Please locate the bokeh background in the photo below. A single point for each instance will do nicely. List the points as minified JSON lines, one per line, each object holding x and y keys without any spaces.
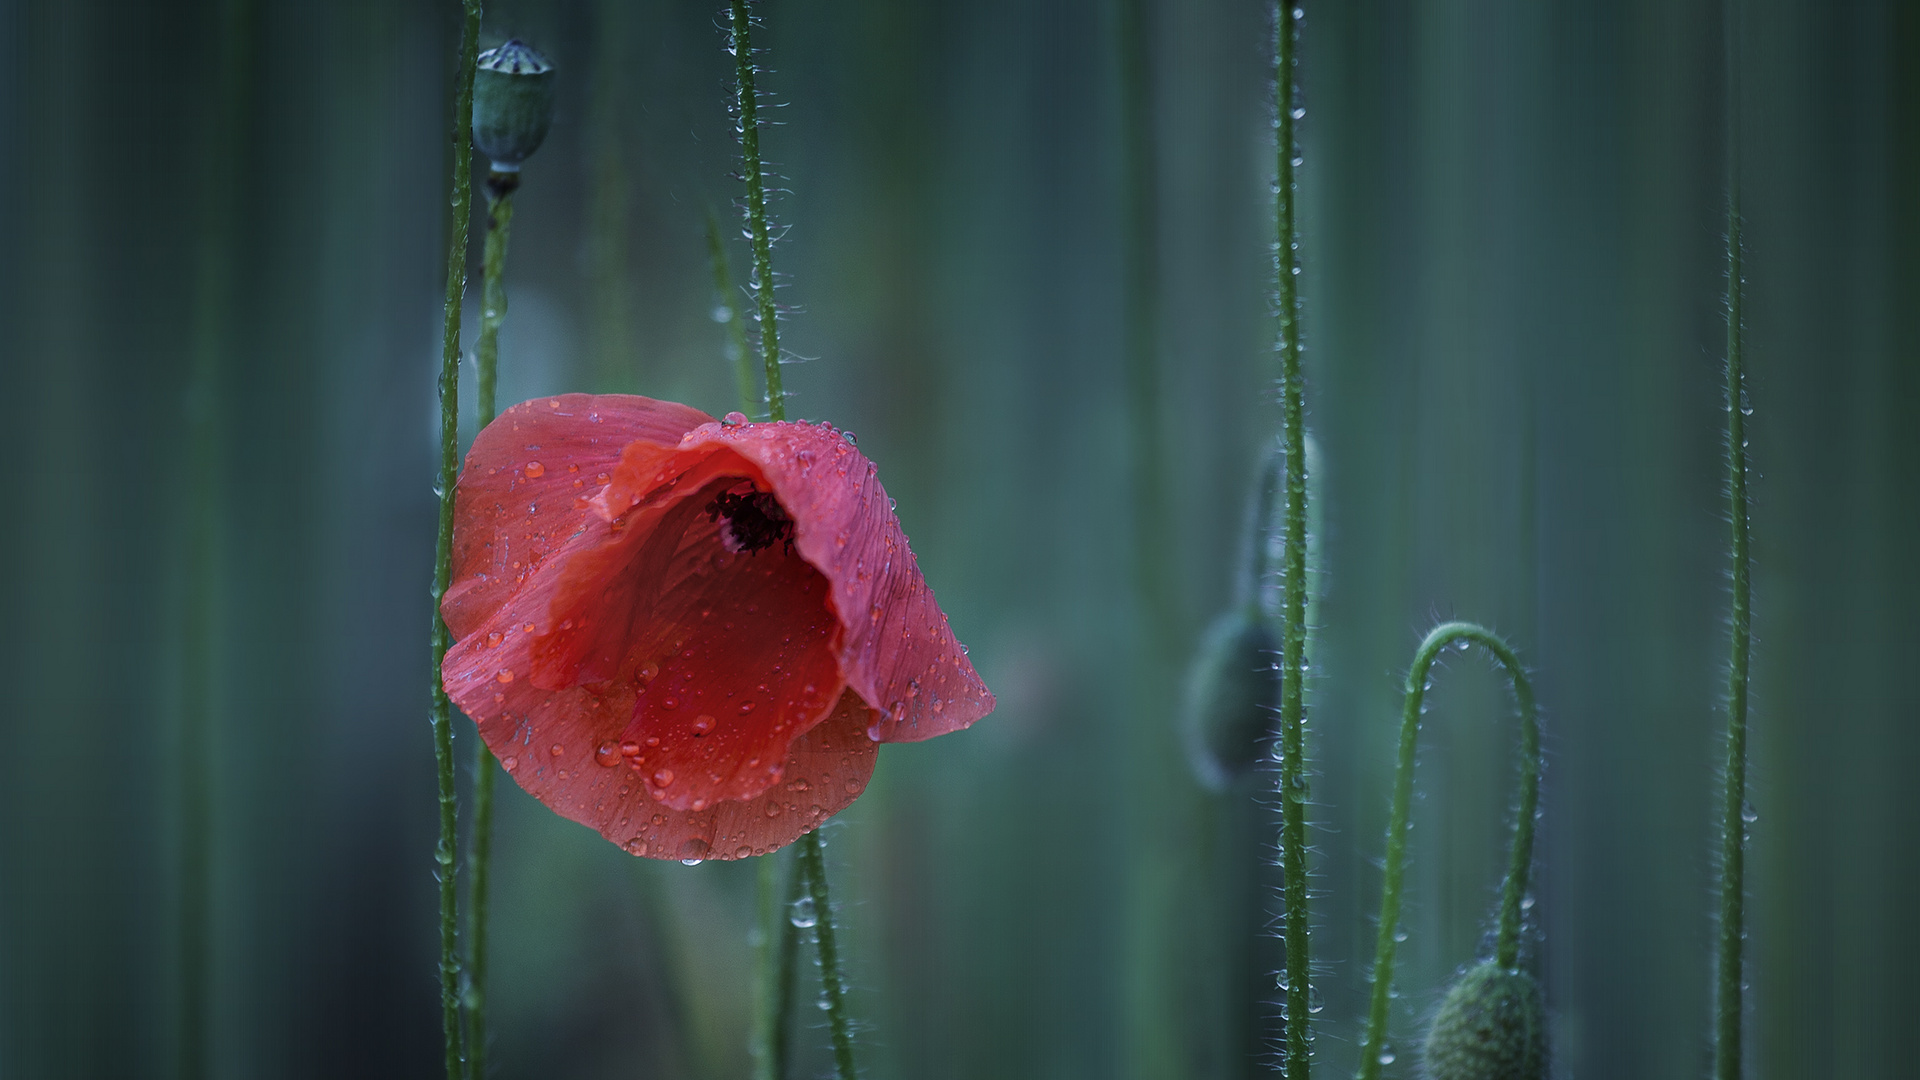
{"x":220,"y":306}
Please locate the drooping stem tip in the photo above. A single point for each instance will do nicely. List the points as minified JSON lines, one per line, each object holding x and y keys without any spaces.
{"x":1520,"y":860}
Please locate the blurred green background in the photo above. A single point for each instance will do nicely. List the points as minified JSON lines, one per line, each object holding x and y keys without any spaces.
{"x":1513,"y":216}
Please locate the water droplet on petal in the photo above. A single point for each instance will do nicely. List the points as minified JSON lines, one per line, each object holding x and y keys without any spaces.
{"x":535,"y":470}
{"x":693,"y":850}
{"x":556,"y":749}
{"x":663,"y":778}
{"x":608,"y":754}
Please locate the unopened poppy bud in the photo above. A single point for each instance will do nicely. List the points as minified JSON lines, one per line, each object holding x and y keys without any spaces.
{"x":512,"y":104}
{"x":1231,"y":694}
{"x":1491,"y":1026}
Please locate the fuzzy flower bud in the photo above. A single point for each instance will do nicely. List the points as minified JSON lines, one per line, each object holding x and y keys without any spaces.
{"x":1491,"y":1026}
{"x":512,"y":104}
{"x":1232,"y":690}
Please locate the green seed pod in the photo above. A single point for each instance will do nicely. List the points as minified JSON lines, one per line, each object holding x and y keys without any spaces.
{"x":512,"y":104}
{"x":1231,"y":694}
{"x":1492,"y":1025}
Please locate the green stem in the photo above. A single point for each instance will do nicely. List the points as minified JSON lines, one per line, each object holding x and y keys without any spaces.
{"x":1293,"y":634}
{"x":747,"y":106}
{"x":1520,"y":863}
{"x":440,"y":711}
{"x":493,"y":290}
{"x":1730,"y":996}
{"x":737,"y":348}
{"x":213,"y":299}
{"x":779,"y":946}
{"x":812,"y":866}
{"x":493,"y":312}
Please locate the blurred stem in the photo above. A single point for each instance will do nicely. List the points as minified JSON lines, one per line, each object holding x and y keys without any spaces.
{"x":1293,"y":630}
{"x":747,"y":106}
{"x":1520,"y":862}
{"x":779,"y":947}
{"x":493,"y":290}
{"x":493,"y":312}
{"x":440,"y":711}
{"x":212,"y":298}
{"x":1730,"y":995}
{"x":812,"y":867}
{"x":739,"y":351}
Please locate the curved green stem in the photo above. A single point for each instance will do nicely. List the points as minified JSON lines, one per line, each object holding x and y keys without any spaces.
{"x":1730,"y":993}
{"x":440,"y":710}
{"x":812,"y":866}
{"x":493,"y":312}
{"x":1520,"y":863}
{"x":1296,"y":981}
{"x":747,"y":106}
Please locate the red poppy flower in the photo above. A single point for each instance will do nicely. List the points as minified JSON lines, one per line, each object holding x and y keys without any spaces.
{"x":690,"y":635}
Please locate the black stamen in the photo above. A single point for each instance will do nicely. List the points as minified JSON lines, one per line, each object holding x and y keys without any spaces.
{"x":754,"y":520}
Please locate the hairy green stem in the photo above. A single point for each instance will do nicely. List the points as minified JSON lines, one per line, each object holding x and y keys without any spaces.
{"x":812,"y":865}
{"x":1520,"y":862}
{"x":747,"y":115}
{"x":1296,"y":982}
{"x":1730,"y":993}
{"x":493,"y":312}
{"x":739,"y":352}
{"x":440,"y":711}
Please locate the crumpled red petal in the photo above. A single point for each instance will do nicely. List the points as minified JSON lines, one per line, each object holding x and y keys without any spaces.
{"x":897,"y":650}
{"x":520,"y":494}
{"x":638,"y":675}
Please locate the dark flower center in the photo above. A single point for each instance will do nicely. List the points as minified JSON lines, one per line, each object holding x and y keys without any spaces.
{"x":754,"y":520}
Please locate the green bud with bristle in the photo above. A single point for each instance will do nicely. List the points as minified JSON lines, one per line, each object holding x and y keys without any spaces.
{"x":1492,"y":1025}
{"x":512,"y":104}
{"x":1231,"y":694}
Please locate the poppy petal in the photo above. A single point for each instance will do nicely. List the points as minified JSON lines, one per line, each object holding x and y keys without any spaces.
{"x":896,"y":649}
{"x":824,"y":771}
{"x":519,"y":492}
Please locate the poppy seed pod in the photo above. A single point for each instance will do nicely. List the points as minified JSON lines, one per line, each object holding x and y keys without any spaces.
{"x":1491,"y":1026}
{"x":512,"y":104}
{"x":1231,"y":694}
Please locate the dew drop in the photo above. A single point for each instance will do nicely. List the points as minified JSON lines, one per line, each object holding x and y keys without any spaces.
{"x":694,"y":849}
{"x":637,"y":845}
{"x":608,"y":754}
{"x":630,"y":749}
{"x":505,"y":676}
{"x":1386,"y":1055}
{"x":535,"y":470}
{"x":663,"y":778}
{"x":510,"y":764}
{"x":556,"y":749}
{"x":802,"y":914}
{"x":702,"y":724}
